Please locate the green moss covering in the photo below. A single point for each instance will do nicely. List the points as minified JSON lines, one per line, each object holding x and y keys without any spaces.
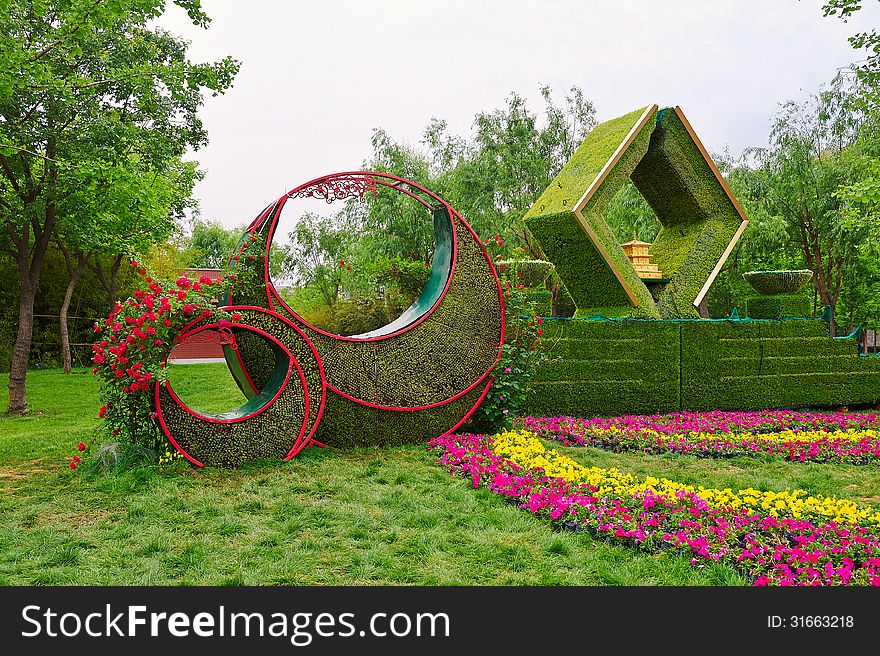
{"x":347,"y":424}
{"x":587,"y":276}
{"x":587,"y":272}
{"x":530,"y":273}
{"x":273,"y":432}
{"x":579,"y":172}
{"x":698,"y":218}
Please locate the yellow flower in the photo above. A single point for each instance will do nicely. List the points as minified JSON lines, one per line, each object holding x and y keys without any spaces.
{"x":524,"y":449}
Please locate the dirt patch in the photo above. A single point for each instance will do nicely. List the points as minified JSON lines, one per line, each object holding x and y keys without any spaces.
{"x":75,"y":519}
{"x":24,"y":469}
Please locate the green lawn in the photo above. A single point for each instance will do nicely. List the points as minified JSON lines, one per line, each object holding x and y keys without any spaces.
{"x":370,"y":516}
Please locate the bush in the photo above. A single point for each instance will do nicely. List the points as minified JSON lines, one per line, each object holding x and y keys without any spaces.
{"x":133,"y":344}
{"x":521,"y":354}
{"x":530,"y":273}
{"x":778,"y":307}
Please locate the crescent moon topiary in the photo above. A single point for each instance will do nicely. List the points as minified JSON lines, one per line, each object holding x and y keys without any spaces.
{"x":416,"y":378}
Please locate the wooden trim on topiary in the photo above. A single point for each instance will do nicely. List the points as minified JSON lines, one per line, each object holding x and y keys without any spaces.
{"x":715,"y":271}
{"x":611,"y":163}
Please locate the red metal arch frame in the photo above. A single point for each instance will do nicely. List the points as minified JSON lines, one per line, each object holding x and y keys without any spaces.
{"x":359,"y":183}
{"x":307,"y":190}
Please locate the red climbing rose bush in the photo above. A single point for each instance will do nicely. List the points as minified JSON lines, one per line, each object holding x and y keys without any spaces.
{"x":132,"y":346}
{"x":522,"y":352}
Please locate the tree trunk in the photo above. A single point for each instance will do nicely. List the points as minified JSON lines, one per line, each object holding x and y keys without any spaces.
{"x":704,"y":308}
{"x":22,"y":349}
{"x":114,"y":279}
{"x":821,"y":282}
{"x":30,"y":263}
{"x":75,"y":275}
{"x":109,"y":284}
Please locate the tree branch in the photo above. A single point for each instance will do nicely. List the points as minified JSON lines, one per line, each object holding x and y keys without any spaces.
{"x":10,"y":175}
{"x":29,"y":152}
{"x":49,"y":48}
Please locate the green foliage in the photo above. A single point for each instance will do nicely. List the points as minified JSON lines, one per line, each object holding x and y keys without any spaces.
{"x":315,"y":256}
{"x":530,"y":273}
{"x":407,"y":276}
{"x":779,"y":306}
{"x":212,"y":244}
{"x":819,"y":151}
{"x":869,"y":67}
{"x":363,"y":315}
{"x":543,"y":306}
{"x":521,"y":355}
{"x":628,"y":215}
{"x":604,"y":368}
{"x":88,"y":303}
{"x":98,"y":107}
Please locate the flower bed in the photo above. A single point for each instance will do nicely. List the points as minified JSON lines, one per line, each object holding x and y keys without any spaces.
{"x":786,"y":538}
{"x":841,"y":437}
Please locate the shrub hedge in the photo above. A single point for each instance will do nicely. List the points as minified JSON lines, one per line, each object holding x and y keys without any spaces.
{"x":614,"y":367}
{"x":778,"y":307}
{"x":774,"y":283}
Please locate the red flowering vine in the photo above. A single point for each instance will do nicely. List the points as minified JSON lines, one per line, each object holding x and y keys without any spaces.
{"x":133,"y":343}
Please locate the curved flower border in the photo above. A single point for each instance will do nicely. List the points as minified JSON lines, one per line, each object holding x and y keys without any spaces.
{"x":788,"y":538}
{"x":845,"y":438}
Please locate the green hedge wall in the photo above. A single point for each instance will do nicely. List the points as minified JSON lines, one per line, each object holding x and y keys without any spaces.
{"x":605,"y":368}
{"x":778,"y":307}
{"x":542,"y":303}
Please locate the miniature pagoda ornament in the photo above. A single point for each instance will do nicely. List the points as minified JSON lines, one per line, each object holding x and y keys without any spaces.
{"x":638,"y":252}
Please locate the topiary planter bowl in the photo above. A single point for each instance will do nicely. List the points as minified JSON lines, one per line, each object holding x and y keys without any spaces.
{"x":774,"y":283}
{"x":530,"y":273}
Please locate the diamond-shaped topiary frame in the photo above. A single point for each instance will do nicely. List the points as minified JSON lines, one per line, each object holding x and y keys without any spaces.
{"x":700,"y":217}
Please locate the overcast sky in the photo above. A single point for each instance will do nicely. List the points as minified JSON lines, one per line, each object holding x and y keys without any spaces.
{"x":318,"y":77}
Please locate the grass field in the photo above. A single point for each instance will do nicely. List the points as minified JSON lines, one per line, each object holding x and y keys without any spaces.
{"x":370,"y":516}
